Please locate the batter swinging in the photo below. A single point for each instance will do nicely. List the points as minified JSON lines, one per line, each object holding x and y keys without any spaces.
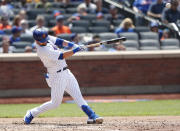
{"x":60,"y":77}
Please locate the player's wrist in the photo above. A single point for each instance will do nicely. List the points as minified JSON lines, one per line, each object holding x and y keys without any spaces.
{"x":70,"y":44}
{"x":76,"y":49}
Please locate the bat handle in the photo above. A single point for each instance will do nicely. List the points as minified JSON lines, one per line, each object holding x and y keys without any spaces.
{"x":94,"y":45}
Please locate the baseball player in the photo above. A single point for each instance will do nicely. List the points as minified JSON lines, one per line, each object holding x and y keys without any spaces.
{"x":59,"y":77}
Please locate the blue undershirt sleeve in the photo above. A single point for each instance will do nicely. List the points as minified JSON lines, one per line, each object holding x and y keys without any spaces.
{"x":59,"y":42}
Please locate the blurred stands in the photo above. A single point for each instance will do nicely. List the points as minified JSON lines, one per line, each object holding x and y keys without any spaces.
{"x":140,"y":39}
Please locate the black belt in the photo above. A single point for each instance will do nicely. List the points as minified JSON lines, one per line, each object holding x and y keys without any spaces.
{"x":62,"y":69}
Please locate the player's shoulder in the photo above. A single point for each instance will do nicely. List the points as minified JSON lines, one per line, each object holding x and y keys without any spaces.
{"x":43,"y":50}
{"x":51,"y":37}
{"x":54,"y":40}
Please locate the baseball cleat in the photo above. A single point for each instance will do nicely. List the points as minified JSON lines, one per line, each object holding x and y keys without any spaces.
{"x":28,"y":117}
{"x":98,"y":120}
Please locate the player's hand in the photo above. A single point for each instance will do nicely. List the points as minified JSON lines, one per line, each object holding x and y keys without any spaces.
{"x":82,"y":47}
{"x":79,"y":48}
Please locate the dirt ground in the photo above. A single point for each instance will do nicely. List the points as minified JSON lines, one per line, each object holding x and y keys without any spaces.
{"x":155,"y":123}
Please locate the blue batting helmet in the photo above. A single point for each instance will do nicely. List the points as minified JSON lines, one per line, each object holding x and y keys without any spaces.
{"x":40,"y":35}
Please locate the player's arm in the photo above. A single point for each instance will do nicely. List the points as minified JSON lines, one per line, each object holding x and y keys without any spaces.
{"x":64,"y":43}
{"x":59,"y":55}
{"x":68,"y":53}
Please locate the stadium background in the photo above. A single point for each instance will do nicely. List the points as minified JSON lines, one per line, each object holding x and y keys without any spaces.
{"x":144,"y":64}
{"x":124,"y":80}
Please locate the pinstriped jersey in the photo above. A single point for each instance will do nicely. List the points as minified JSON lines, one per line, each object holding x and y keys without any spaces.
{"x":50,"y":53}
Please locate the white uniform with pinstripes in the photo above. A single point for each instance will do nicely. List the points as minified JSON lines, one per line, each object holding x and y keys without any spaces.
{"x":59,"y":82}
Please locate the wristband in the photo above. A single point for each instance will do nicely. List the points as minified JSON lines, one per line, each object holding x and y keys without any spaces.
{"x":76,"y":50}
{"x":61,"y":56}
{"x":59,"y":42}
{"x":70,"y":44}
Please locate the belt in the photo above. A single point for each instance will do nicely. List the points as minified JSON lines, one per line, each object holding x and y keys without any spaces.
{"x":62,"y":69}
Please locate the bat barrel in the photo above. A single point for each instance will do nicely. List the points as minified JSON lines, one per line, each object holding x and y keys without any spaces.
{"x":107,"y":42}
{"x":114,"y":40}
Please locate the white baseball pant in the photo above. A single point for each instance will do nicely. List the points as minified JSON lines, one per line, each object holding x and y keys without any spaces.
{"x":60,"y":82}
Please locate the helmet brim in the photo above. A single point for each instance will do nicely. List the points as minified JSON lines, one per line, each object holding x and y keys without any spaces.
{"x":44,"y":40}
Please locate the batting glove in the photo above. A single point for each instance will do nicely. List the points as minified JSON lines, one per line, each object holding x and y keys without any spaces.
{"x":79,"y":48}
{"x":82,"y":47}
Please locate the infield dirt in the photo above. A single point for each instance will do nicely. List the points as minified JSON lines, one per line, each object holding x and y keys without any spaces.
{"x":155,"y":123}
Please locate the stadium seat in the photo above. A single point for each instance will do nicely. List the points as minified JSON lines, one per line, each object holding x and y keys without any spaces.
{"x":108,"y":46}
{"x":15,"y":10}
{"x":1,"y":38}
{"x":79,"y":30}
{"x":170,"y":44}
{"x":7,"y":32}
{"x":116,"y":23}
{"x":139,"y":29}
{"x":27,"y":38}
{"x":131,"y":45}
{"x":51,"y":23}
{"x":107,"y":36}
{"x":11,"y":18}
{"x":34,"y":12}
{"x":57,"y":5}
{"x":48,"y":17}
{"x":31,"y":5}
{"x":108,"y":16}
{"x":101,"y":23}
{"x":66,"y":23}
{"x":149,"y":35}
{"x":16,"y":5}
{"x":130,"y":35}
{"x":71,"y":10}
{"x":74,"y":3}
{"x":98,"y":29}
{"x":65,"y":36}
{"x":51,"y":10}
{"x":19,"y":50}
{"x":21,"y":44}
{"x":31,"y":23}
{"x":66,"y":16}
{"x":89,"y":17}
{"x":149,"y":44}
{"x":81,"y":23}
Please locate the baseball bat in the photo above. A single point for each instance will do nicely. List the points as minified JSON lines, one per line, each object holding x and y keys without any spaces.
{"x":111,"y":41}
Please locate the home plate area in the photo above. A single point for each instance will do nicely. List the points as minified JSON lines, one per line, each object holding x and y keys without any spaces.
{"x":155,"y":123}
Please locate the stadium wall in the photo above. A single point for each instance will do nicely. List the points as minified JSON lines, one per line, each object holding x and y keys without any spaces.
{"x":126,"y":72}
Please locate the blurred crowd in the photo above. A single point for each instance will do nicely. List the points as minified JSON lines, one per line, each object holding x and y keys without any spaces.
{"x":16,"y":20}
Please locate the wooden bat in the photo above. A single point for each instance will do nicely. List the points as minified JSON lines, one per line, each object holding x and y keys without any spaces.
{"x":111,"y":41}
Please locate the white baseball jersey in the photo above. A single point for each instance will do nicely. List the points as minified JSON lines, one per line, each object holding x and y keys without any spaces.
{"x":49,"y":55}
{"x":58,"y":81}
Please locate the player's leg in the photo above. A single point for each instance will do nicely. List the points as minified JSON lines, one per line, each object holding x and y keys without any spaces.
{"x":73,"y":89}
{"x":57,"y":91}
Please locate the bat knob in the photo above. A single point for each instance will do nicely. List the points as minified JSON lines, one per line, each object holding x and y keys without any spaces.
{"x":123,"y":38}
